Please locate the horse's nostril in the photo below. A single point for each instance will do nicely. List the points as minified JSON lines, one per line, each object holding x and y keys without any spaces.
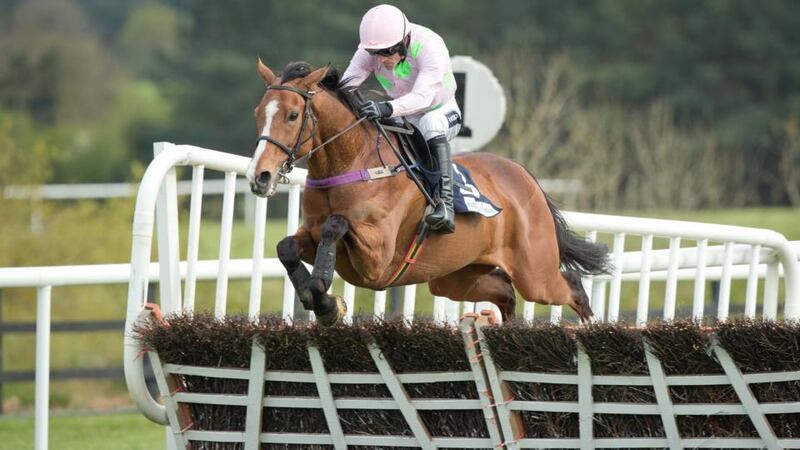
{"x":263,"y":178}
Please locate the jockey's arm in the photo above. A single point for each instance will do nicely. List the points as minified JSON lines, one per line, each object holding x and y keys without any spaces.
{"x":429,"y":82}
{"x":358,"y":70}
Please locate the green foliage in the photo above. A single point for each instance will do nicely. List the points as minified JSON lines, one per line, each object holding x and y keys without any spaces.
{"x":33,"y":232}
{"x":25,"y":159}
{"x":149,"y":38}
{"x":104,"y":151}
{"x":727,"y":73}
{"x":51,"y":67}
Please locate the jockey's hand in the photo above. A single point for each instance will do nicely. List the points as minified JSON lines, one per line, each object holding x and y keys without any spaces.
{"x":373,"y":110}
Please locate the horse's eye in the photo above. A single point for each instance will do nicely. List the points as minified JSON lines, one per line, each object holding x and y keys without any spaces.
{"x":292,"y":116}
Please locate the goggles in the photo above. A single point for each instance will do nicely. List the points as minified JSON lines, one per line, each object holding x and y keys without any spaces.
{"x":389,"y":51}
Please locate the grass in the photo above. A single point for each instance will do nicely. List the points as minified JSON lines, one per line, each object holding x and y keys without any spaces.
{"x":119,"y":431}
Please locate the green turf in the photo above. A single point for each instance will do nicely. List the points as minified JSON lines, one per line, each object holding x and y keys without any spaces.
{"x":118,"y":431}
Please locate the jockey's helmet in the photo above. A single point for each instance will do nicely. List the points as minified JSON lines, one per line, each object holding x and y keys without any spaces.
{"x":383,"y":26}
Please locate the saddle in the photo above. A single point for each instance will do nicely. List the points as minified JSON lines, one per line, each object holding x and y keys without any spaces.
{"x":414,"y":149}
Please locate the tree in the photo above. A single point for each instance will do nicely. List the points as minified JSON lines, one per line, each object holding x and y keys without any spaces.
{"x":52,"y":66}
{"x":149,"y":38}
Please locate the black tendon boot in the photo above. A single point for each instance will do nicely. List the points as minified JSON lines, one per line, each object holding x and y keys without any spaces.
{"x":442,"y":219}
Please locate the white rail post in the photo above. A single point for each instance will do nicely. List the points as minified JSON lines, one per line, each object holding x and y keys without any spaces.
{"x":379,"y":308}
{"x":438,"y":308}
{"x":599,"y":300}
{"x":752,"y":283}
{"x":292,"y":224}
{"x":42,"y":401}
{"x":724,"y":300}
{"x":349,"y":297}
{"x":193,"y":239}
{"x":643,"y":302}
{"x":226,"y":232}
{"x":451,"y":312}
{"x":671,"y":288}
{"x":528,"y":310}
{"x":555,"y":314}
{"x":616,"y":278}
{"x":167,"y":234}
{"x":588,"y":281}
{"x":259,"y":231}
{"x":771,"y":291}
{"x":409,"y":301}
{"x":698,"y":304}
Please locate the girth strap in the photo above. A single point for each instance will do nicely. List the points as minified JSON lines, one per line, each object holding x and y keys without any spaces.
{"x":414,"y":250}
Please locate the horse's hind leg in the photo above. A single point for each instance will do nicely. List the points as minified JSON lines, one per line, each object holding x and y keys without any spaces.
{"x":478,"y":283}
{"x":580,"y":301}
{"x":559,"y":289}
{"x":547,"y":285}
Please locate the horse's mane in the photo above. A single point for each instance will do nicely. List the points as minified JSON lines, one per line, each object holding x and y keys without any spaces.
{"x":333,"y":82}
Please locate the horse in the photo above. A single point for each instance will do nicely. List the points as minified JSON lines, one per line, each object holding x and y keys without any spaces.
{"x":362,"y":230}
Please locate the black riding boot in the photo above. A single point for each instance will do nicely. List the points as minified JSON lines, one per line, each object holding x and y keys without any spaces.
{"x":442,"y":219}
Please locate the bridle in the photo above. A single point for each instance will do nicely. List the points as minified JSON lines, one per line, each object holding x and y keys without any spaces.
{"x":288,"y":165}
{"x":291,"y":153}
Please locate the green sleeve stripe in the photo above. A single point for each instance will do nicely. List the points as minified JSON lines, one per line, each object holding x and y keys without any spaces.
{"x":402,"y":69}
{"x":415,"y":49}
{"x":384,"y":82}
{"x":449,"y":80}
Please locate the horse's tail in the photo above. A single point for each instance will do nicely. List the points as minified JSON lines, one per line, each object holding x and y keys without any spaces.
{"x":576,"y":253}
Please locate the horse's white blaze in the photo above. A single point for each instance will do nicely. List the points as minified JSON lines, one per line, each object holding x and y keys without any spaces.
{"x":269,"y":113}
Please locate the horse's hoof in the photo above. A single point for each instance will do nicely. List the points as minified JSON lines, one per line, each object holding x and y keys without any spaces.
{"x":335,"y":315}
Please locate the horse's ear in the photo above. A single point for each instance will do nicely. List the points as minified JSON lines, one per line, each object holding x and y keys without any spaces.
{"x":265,"y":73}
{"x":311,"y":80}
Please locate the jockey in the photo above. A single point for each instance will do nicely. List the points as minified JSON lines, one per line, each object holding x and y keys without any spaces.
{"x":412,"y":64}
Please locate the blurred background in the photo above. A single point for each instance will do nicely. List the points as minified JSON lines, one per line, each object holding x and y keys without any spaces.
{"x":677,"y":108}
{"x":629,"y":96}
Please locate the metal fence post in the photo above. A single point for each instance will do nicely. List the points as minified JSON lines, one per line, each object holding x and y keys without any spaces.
{"x":42,"y":400}
{"x":1,"y":352}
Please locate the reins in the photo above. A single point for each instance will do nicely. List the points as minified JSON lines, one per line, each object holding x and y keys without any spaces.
{"x":423,"y":230}
{"x":288,"y":165}
{"x":343,"y":131}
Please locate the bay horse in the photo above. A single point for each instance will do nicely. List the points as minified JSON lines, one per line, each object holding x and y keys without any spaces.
{"x":363,"y":229}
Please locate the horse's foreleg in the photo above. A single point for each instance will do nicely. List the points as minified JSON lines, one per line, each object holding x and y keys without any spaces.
{"x":290,"y":249}
{"x":327,"y":308}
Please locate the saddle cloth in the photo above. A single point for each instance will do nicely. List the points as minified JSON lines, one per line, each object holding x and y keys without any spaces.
{"x":467,"y":198}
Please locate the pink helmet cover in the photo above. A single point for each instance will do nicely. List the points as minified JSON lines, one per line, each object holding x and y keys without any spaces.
{"x":382,"y":26}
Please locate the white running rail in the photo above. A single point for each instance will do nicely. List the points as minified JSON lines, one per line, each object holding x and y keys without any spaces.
{"x":740,"y":250}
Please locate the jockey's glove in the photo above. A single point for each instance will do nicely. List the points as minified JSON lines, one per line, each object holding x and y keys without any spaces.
{"x":373,"y":110}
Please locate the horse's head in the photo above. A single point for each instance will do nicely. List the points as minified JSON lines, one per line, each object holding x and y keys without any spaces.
{"x":286,"y":124}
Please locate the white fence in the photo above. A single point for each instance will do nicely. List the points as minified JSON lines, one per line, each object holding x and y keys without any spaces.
{"x":740,"y":247}
{"x":723,"y":253}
